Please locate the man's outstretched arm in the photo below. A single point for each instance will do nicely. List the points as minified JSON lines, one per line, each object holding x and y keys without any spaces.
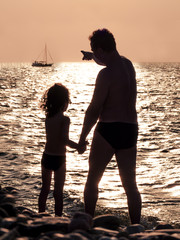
{"x":90,"y":56}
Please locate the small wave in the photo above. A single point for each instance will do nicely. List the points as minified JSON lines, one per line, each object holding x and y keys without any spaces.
{"x":171,"y":185}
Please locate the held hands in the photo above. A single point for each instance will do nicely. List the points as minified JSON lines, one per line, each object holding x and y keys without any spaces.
{"x":87,"y":55}
{"x":82,"y":147}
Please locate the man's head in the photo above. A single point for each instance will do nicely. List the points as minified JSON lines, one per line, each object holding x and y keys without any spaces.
{"x":104,"y":39}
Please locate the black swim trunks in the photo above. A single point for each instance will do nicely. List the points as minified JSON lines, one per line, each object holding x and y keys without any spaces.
{"x":119,"y":135}
{"x":52,"y":162}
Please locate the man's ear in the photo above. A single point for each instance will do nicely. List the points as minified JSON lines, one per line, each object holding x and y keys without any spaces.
{"x":99,"y":51}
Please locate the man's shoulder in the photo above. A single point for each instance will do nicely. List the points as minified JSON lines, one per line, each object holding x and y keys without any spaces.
{"x":126,"y":60}
{"x":128,"y":64}
{"x":104,"y":74}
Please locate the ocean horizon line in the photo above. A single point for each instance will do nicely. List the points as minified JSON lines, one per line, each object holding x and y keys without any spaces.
{"x":138,"y":62}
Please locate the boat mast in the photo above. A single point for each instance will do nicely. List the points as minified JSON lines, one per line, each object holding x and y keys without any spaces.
{"x":46,"y":53}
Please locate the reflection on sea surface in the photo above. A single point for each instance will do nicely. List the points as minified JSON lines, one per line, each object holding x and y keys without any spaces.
{"x":23,"y":135}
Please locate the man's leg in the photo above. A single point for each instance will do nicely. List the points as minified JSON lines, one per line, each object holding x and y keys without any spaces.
{"x":126,"y":160}
{"x":100,"y":155}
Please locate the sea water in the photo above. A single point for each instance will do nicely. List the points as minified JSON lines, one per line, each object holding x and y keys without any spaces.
{"x":23,"y":137}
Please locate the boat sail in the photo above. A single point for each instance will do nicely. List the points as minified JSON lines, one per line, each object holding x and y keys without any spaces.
{"x":44,"y":62}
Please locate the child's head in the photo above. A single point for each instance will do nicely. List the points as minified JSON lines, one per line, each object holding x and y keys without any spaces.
{"x":55,"y":99}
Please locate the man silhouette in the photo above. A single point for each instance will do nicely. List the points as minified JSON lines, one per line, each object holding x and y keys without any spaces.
{"x":113,"y":105}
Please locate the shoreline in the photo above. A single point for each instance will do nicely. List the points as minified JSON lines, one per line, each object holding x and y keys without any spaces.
{"x":17,"y":222}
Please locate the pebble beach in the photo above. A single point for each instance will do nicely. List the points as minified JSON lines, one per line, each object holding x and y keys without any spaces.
{"x":21,"y":223}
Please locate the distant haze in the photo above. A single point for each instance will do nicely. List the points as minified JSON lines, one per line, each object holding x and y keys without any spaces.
{"x":145,"y":30}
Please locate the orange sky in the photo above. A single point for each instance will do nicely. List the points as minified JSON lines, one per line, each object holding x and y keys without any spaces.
{"x":145,"y":30}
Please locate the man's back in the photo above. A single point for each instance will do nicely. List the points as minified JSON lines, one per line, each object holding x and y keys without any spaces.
{"x":120,"y":103}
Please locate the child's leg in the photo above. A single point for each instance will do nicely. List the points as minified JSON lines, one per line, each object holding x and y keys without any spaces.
{"x":59,"y":178}
{"x":46,"y":182}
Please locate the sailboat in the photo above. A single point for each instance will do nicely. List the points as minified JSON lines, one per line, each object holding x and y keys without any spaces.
{"x":44,"y":62}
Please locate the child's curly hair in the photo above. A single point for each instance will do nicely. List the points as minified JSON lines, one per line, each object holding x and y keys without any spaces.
{"x":55,"y":99}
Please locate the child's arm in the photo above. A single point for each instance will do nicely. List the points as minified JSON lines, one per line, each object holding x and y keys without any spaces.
{"x":69,"y":142}
{"x":72,"y":144}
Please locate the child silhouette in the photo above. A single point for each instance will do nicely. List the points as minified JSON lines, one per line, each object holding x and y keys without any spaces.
{"x":55,"y":102}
